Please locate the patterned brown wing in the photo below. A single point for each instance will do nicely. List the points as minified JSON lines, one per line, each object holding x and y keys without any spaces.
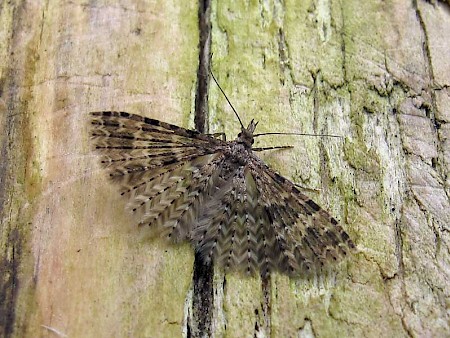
{"x":256,"y":221}
{"x":226,"y":231}
{"x":233,"y":229}
{"x":162,"y":169}
{"x":305,"y":234}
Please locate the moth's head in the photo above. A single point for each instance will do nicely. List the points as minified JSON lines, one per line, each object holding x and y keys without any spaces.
{"x":246,"y":135}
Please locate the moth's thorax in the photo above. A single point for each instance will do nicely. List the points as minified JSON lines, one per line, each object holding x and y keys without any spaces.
{"x":238,"y":152}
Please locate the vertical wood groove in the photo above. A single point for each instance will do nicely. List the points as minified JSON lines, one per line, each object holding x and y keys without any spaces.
{"x":203,"y":297}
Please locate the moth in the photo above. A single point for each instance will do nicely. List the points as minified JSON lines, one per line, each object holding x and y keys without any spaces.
{"x":236,"y":211}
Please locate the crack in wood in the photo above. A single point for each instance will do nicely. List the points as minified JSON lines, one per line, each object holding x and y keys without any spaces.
{"x":199,"y":324}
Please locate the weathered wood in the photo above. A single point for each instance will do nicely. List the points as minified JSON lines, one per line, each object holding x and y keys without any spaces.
{"x":72,"y":262}
{"x":80,"y":266}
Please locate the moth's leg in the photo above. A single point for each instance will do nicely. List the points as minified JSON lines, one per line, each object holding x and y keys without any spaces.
{"x":217,"y":135}
{"x":272,"y":148}
{"x":306,"y":188}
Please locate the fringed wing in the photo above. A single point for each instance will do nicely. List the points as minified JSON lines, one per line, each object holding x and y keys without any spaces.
{"x":226,"y":230}
{"x":162,"y":169}
{"x":306,"y":235}
{"x":233,"y":229}
{"x":258,"y":222}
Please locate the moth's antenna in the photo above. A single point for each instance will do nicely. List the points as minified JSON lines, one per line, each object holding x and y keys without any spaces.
{"x":218,"y":85}
{"x":301,"y":134}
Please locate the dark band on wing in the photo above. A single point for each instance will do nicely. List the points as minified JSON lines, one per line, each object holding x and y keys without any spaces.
{"x":193,"y":134}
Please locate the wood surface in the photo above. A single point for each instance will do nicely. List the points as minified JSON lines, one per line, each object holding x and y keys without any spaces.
{"x":73,"y":262}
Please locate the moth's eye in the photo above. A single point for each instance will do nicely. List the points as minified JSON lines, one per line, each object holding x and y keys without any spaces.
{"x":240,"y":134}
{"x":253,"y":141}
